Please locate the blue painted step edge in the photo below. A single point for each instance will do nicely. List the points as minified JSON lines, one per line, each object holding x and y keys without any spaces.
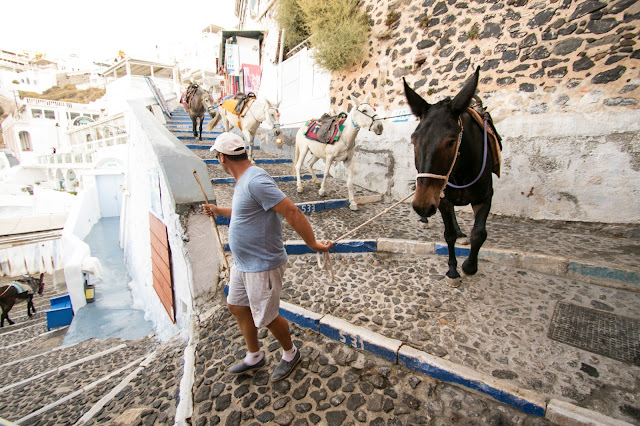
{"x":304,"y":207}
{"x":288,"y":178}
{"x":363,"y":246}
{"x":207,"y":146}
{"x":257,"y":160}
{"x":460,"y":251}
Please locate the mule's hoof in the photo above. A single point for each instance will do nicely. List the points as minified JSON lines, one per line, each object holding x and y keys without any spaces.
{"x":454,"y":282}
{"x":321,"y":193}
{"x":469,"y":270}
{"x":300,"y":190}
{"x":353,"y":206}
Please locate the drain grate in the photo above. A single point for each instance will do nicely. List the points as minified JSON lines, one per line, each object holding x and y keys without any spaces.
{"x":603,"y":333}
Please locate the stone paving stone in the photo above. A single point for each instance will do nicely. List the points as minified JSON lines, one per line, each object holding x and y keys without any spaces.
{"x":58,"y":385}
{"x":49,"y":361}
{"x":333,"y":385}
{"x":152,"y":396}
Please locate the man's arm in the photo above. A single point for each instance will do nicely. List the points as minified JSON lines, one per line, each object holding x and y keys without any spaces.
{"x":213,"y":210}
{"x":300,"y":224}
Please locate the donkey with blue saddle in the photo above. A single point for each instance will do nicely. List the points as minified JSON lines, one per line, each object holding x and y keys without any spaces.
{"x":21,"y":289}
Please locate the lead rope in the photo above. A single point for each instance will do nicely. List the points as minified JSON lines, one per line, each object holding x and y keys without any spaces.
{"x":324,"y":260}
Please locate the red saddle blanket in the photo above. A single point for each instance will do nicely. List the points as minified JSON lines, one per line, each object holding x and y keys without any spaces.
{"x":326,"y":133}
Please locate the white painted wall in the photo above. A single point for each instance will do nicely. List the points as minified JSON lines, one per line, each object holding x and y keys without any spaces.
{"x":159,"y":164}
{"x":126,"y":88}
{"x":85,"y":214}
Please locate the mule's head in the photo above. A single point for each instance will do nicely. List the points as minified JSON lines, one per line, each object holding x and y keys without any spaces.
{"x":272,"y":116}
{"x":365,"y":116}
{"x":435,"y":142}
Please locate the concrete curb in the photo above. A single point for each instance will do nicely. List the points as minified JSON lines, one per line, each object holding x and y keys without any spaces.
{"x":553,"y":265}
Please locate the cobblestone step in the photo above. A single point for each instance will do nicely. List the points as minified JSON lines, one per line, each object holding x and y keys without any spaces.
{"x":334,"y":384}
{"x":57,"y":385}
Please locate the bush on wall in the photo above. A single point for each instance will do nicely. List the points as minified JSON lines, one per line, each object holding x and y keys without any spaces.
{"x":292,"y":19}
{"x":339,"y":30}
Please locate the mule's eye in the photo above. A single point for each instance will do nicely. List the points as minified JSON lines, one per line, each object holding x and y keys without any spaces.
{"x":451,"y":143}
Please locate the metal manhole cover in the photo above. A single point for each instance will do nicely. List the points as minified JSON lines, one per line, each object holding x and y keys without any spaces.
{"x":603,"y":333}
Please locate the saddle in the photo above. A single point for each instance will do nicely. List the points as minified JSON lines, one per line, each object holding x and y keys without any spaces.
{"x":238,"y":103}
{"x":188,"y":94}
{"x":327,"y":129}
{"x":243,"y":100}
{"x":480,"y":114}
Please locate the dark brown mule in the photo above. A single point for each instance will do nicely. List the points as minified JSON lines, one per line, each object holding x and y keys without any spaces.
{"x":199,"y":103}
{"x":451,"y":156}
{"x":9,"y":294}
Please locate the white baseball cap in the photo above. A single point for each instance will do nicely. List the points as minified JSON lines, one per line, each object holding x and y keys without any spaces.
{"x":229,"y":144}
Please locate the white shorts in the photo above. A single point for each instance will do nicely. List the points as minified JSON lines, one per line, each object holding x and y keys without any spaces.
{"x":260,"y":291}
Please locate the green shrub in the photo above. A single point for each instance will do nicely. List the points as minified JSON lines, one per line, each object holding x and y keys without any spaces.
{"x":292,"y":19}
{"x":338,"y":29}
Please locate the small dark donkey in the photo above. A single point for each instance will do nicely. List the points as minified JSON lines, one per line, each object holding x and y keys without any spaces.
{"x":454,"y":167}
{"x":15,"y":291}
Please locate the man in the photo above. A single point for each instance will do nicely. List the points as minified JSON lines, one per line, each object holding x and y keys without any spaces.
{"x":255,"y":238}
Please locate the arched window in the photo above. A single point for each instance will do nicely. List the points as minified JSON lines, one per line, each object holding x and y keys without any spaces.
{"x":25,"y":141}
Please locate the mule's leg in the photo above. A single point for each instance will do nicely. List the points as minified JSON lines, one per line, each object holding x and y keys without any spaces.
{"x":195,"y":133}
{"x":30,"y":306}
{"x":459,"y":233}
{"x":310,"y":164}
{"x":329,"y":160}
{"x":301,"y":156}
{"x":352,"y":199}
{"x":478,"y":236}
{"x":5,"y":314}
{"x":248,"y":137}
{"x":448,"y":216}
{"x":201,"y":119}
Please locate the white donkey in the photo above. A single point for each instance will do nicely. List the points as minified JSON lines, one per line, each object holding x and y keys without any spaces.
{"x":362,"y":116}
{"x":258,"y":111}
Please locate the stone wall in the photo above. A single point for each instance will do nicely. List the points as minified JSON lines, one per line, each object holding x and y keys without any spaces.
{"x":535,"y":57}
{"x":560,"y":78}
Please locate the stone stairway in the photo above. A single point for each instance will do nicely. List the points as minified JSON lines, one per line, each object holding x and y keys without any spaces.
{"x":388,"y":341}
{"x":44,"y":382}
{"x":390,"y":294}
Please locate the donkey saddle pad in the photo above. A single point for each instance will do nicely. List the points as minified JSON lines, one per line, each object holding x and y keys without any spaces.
{"x":480,"y":114}
{"x":327,"y":129}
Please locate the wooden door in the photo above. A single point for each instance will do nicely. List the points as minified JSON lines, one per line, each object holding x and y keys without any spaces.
{"x":161,"y":265}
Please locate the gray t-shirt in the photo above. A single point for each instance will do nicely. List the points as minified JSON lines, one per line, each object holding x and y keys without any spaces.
{"x":255,"y":231}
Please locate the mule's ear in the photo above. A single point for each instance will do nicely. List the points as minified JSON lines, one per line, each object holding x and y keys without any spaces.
{"x":366,"y":98}
{"x":419,"y":106}
{"x":462,"y":100}
{"x":41,"y":276}
{"x":354,"y":100}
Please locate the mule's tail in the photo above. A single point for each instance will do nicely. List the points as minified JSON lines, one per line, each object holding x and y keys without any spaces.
{"x":295,"y":161}
{"x":214,"y":120}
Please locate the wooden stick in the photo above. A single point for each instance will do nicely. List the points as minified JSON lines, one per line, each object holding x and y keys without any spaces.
{"x":213,"y":221}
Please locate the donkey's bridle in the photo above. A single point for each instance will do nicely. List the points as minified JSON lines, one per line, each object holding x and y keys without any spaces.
{"x":372,"y":117}
{"x":446,"y":178}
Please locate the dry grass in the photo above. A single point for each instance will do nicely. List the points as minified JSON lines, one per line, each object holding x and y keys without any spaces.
{"x":67,"y":93}
{"x":339,"y":29}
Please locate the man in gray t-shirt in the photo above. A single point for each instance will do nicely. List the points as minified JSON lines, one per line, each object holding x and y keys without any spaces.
{"x":255,"y":238}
